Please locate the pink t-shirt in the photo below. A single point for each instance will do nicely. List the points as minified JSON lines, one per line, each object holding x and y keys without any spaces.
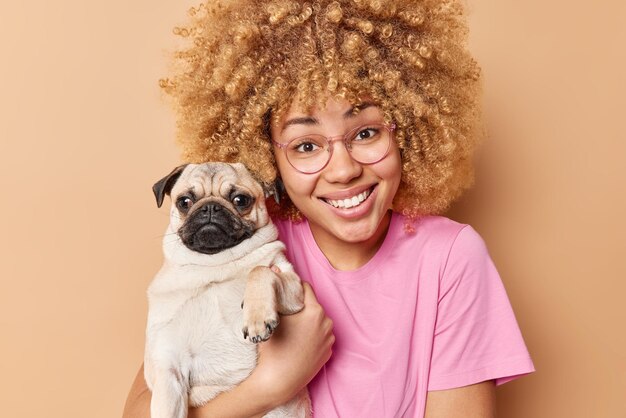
{"x":427,"y":312}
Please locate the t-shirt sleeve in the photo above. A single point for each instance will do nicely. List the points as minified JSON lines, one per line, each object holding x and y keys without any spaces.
{"x":476,"y":335}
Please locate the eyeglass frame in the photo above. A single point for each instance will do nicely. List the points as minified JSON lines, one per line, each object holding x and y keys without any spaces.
{"x":344,"y":138}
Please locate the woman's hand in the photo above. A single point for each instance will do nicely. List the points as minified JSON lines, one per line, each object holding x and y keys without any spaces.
{"x":299,"y":348}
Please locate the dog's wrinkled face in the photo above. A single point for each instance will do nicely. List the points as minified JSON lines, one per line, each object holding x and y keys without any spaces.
{"x":215,"y":206}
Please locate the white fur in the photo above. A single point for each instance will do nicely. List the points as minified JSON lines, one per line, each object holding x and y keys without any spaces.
{"x":194,"y":343}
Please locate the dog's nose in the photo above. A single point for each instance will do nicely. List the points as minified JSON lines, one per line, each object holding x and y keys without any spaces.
{"x":211,"y":208}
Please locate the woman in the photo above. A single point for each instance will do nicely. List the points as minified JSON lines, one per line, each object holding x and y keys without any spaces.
{"x":364,"y":113}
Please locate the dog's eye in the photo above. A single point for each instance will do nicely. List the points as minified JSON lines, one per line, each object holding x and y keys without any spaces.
{"x":241,"y":201}
{"x":184,"y":203}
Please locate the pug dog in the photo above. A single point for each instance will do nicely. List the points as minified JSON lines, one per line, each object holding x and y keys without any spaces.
{"x":219,"y":246}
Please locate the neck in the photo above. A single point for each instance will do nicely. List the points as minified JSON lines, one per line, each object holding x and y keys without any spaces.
{"x":177,"y":253}
{"x":345,"y":255}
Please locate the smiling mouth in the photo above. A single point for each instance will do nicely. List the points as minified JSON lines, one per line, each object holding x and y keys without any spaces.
{"x":350,"y":202}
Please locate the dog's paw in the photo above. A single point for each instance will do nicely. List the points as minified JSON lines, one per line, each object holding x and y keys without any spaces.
{"x":260,"y":313}
{"x":258,"y":336}
{"x":259,"y":322}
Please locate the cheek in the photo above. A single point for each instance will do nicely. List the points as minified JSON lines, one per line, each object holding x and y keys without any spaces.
{"x":176,"y":217}
{"x":391,"y":171}
{"x":258,"y":216}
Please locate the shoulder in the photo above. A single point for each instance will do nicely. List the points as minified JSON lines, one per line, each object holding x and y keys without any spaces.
{"x":449,"y":247}
{"x":287,"y":229}
{"x":281,"y":224}
{"x":446,"y":232}
{"x":293,"y":234}
{"x":432,"y":233}
{"x":466,"y":267}
{"x":436,"y":226}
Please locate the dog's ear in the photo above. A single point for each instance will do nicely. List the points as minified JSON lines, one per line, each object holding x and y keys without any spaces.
{"x":164,"y":186}
{"x":275,"y":189}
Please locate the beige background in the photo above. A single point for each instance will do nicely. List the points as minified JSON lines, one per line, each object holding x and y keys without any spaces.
{"x":85,"y":133}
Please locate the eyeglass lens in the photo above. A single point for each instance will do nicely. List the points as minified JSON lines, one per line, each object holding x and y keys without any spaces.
{"x":367,"y":144}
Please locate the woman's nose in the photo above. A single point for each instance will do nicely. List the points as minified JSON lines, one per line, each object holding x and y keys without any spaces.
{"x":341,"y":168}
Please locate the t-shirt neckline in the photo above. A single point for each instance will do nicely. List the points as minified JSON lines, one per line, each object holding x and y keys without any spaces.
{"x":367,"y":268}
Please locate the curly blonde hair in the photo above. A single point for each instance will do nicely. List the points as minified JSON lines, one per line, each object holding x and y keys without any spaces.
{"x":245,"y":62}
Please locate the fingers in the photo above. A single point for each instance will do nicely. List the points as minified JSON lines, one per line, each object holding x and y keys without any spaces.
{"x":309,"y":295}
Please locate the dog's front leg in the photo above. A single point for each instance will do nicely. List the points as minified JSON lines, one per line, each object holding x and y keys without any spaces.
{"x":260,"y":310}
{"x":267,"y":294}
{"x":290,"y":295}
{"x":169,"y":394}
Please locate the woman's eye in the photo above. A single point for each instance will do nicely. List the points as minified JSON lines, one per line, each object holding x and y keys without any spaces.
{"x":305,"y":147}
{"x":366,"y":134}
{"x":184,"y":203}
{"x":241,"y":201}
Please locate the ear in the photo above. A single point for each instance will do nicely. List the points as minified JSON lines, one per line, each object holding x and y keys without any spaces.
{"x":275,"y":189}
{"x":270,"y":190}
{"x":164,"y":186}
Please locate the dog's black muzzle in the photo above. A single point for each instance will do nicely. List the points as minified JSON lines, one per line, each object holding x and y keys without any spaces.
{"x":213,"y":228}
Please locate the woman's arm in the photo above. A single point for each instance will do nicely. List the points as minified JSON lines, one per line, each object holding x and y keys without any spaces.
{"x":474,"y":401}
{"x":245,"y":400}
{"x":287,"y":362}
{"x":138,"y":399}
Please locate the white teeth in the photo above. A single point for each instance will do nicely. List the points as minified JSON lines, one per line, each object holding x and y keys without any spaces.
{"x":350,"y":202}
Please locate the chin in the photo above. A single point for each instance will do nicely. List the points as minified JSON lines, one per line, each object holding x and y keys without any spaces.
{"x":359,"y":231}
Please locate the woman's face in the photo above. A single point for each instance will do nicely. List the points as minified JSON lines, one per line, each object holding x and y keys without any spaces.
{"x":318,"y":195}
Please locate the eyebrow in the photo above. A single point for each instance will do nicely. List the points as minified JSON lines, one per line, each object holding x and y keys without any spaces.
{"x":353,"y":111}
{"x":306,"y":120}
{"x":310,"y":120}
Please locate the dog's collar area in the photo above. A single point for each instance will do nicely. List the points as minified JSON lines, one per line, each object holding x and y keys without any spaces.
{"x":177,"y":253}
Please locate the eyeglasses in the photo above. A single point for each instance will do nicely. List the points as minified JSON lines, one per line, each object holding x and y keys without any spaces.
{"x":367,"y":144}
